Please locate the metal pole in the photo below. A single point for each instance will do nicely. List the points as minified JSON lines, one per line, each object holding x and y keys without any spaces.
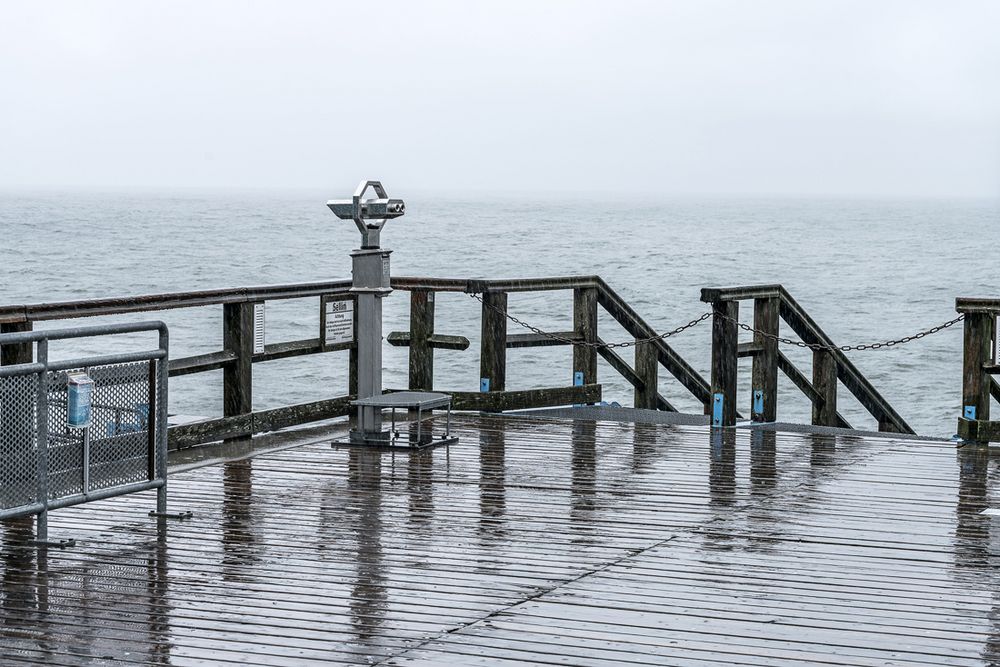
{"x":86,"y":453}
{"x":371,"y":284}
{"x":42,"y":443}
{"x":162,"y":378}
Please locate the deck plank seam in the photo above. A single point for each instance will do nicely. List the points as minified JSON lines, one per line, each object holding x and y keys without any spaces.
{"x":631,"y":553}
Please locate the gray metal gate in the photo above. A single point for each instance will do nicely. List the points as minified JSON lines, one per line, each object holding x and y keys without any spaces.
{"x":45,"y":463}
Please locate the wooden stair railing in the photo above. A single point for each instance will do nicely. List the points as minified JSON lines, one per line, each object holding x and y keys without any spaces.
{"x":773,"y":303}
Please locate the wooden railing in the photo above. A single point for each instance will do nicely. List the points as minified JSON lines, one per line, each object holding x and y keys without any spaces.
{"x":590,"y":294}
{"x":773,"y":303}
{"x":237,"y":356}
{"x":979,"y":366}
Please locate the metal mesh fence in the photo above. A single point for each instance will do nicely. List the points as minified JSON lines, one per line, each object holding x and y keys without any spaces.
{"x":18,"y":441}
{"x":65,"y":444}
{"x":72,"y":435}
{"x":120,"y":438}
{"x":120,"y":444}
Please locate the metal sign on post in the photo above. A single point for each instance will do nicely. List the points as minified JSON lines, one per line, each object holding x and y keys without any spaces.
{"x":337,"y":320}
{"x":258,"y":328}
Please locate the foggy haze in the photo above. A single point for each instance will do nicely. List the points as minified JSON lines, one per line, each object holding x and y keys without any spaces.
{"x":696,"y":97}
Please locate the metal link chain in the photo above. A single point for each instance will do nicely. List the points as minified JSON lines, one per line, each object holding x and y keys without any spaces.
{"x":846,"y":348}
{"x":585,"y":343}
{"x":745,"y":327}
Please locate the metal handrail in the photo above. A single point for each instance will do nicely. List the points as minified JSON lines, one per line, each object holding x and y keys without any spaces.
{"x":34,"y":346}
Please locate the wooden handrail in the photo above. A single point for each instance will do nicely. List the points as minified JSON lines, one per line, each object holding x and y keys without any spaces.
{"x":63,"y":310}
{"x":60,"y":310}
{"x":977,"y":305}
{"x":474,"y":286}
{"x":745,"y":293}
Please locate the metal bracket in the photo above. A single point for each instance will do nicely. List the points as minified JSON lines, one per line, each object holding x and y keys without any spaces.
{"x":758,"y":402}
{"x":484,"y":384}
{"x":717,"y":402}
{"x":970,"y":412}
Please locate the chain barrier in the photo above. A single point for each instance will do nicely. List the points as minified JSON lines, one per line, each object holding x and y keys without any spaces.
{"x":746,"y":327}
{"x":585,"y":343}
{"x":847,"y":348}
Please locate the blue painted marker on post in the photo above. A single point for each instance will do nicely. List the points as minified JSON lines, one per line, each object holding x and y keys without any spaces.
{"x":717,"y":410}
{"x":578,"y":382}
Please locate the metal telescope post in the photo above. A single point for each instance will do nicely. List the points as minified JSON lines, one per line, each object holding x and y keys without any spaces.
{"x":370,"y":282}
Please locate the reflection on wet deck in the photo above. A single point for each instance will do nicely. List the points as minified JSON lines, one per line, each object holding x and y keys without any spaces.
{"x":531,"y":541}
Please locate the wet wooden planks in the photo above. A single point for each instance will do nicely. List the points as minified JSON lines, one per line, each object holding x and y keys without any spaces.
{"x":531,"y":541}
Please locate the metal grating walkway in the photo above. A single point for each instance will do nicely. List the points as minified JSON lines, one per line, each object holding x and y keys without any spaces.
{"x":532,"y":541}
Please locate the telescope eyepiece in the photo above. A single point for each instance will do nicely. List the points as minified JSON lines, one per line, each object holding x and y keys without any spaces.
{"x":368,"y":214}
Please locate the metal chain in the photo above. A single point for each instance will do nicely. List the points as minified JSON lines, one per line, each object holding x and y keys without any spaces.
{"x":846,"y":348}
{"x":586,"y":343}
{"x":746,"y":327}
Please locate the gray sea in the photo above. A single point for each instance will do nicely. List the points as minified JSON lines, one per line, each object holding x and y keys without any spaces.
{"x":865,"y":270}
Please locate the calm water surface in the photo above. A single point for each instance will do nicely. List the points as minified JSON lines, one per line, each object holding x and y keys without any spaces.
{"x":865,"y":270}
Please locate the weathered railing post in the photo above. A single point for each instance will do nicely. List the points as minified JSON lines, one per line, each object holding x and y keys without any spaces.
{"x":237,"y":375}
{"x":585,"y":328}
{"x":725,"y":349}
{"x":421,"y":330}
{"x":977,"y":353}
{"x":493,"y":348}
{"x":824,"y":378}
{"x":19,"y":353}
{"x":764,"y":384}
{"x":647,"y":364}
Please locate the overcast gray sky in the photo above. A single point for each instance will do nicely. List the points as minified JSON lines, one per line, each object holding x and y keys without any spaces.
{"x":691,"y":97}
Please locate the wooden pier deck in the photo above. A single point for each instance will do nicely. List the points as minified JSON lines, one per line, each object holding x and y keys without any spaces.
{"x":532,"y":541}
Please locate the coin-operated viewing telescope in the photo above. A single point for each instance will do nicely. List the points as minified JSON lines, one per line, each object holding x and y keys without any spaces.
{"x":368,"y":214}
{"x":371,"y":284}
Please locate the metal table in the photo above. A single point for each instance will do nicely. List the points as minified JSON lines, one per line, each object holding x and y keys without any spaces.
{"x":412,"y":400}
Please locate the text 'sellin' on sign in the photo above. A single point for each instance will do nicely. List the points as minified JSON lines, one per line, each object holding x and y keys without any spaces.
{"x":338,"y":322}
